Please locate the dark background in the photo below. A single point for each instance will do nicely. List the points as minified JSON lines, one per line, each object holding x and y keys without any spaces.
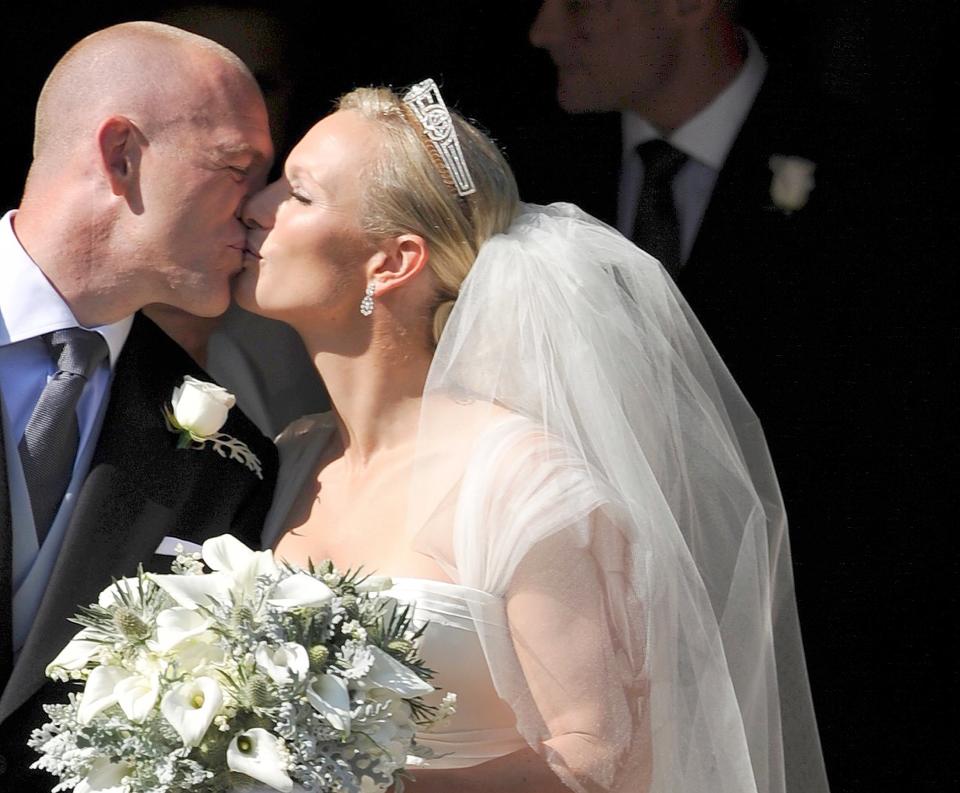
{"x":875,"y":588}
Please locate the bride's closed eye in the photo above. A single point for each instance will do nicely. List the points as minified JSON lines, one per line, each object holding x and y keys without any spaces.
{"x":300,"y":198}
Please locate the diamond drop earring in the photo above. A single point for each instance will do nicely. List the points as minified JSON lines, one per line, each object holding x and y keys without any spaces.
{"x":366,"y":305}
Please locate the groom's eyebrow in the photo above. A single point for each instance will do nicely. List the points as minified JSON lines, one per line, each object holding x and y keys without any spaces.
{"x":240,"y":150}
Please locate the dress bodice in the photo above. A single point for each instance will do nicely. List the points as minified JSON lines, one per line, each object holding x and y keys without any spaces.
{"x":483,"y":726}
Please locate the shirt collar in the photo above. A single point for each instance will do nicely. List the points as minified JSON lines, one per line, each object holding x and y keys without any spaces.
{"x":30,"y":305}
{"x":709,"y":135}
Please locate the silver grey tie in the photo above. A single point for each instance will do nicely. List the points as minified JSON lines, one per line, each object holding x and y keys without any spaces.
{"x":49,"y":444}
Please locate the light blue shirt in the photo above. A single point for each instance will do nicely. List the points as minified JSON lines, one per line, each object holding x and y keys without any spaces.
{"x":29,"y":307}
{"x":706,"y":139}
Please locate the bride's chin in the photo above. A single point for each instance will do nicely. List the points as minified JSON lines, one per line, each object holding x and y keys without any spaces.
{"x":244,"y":291}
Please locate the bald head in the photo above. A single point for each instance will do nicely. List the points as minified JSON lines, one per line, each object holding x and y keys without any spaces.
{"x":148,"y":141}
{"x":154,"y":74}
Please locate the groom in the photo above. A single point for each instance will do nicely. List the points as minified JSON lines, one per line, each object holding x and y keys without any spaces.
{"x":148,"y":139}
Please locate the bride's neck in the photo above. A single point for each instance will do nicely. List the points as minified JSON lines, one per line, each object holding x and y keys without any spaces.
{"x":375,"y":395}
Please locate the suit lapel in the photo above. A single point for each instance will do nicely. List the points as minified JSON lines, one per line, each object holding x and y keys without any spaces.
{"x":123,"y":508}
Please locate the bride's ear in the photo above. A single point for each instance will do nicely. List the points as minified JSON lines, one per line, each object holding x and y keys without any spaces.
{"x":399,"y":260}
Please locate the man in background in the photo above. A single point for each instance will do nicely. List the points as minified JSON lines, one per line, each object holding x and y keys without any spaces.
{"x":745,"y":185}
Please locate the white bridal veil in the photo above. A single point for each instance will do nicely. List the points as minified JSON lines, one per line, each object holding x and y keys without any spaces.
{"x":584,"y":454}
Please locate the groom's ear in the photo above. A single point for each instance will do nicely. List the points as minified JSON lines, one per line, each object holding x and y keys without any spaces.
{"x":400,"y":259}
{"x":119,"y":143}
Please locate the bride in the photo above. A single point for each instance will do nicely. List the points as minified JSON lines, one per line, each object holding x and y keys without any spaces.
{"x":534,"y":438}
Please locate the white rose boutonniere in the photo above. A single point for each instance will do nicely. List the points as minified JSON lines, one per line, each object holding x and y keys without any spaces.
{"x":201,"y":408}
{"x":197,"y":411}
{"x":792,"y":182}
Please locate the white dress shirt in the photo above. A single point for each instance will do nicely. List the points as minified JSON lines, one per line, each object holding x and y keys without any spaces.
{"x":29,"y":307}
{"x":706,"y":139}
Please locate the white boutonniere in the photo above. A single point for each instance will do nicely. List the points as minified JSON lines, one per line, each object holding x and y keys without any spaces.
{"x":792,"y":182}
{"x":197,"y":411}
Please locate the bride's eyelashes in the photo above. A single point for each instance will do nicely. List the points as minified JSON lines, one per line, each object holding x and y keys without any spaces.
{"x":300,"y":198}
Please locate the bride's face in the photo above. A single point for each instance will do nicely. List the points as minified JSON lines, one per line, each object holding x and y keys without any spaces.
{"x":306,"y":259}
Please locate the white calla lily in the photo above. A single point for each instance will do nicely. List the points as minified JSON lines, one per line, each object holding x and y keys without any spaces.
{"x":176,"y":625}
{"x":191,"y":591}
{"x":79,"y":651}
{"x":100,"y":691}
{"x":331,"y":699}
{"x":261,"y":755}
{"x":190,"y":708}
{"x":197,"y":656}
{"x":104,"y":777}
{"x":283,"y":662}
{"x":227,"y":554}
{"x":300,"y":590}
{"x":236,"y":569}
{"x":388,"y":672}
{"x":137,"y":695}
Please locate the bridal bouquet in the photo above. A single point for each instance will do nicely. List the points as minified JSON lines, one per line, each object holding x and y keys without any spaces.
{"x":253,"y":673}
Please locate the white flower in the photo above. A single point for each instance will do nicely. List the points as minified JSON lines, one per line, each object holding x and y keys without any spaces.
{"x":197,"y":656}
{"x":137,"y":695}
{"x":300,"y":591}
{"x":261,"y":755}
{"x":284,"y":662}
{"x":329,"y":696}
{"x":236,"y":569}
{"x":75,"y":656}
{"x":387,"y":672}
{"x":375,"y":583}
{"x":201,"y":408}
{"x":100,"y":691}
{"x":191,"y":707}
{"x":104,"y":777}
{"x":176,"y":625}
{"x":792,"y":181}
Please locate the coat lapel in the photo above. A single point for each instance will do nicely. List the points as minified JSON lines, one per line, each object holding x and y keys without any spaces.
{"x":123,"y":509}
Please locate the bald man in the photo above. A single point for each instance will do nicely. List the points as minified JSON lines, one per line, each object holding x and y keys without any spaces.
{"x":148,"y":139}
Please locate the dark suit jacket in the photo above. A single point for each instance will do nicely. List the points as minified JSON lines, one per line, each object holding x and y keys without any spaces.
{"x":772,"y":289}
{"x":140,"y":488}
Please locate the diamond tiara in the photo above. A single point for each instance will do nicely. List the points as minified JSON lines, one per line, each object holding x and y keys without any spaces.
{"x":427,"y":105}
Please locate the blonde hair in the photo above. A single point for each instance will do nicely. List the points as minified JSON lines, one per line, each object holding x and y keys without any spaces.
{"x":407,"y":189}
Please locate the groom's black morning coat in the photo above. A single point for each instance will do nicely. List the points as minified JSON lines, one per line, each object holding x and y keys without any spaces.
{"x":140,"y":489}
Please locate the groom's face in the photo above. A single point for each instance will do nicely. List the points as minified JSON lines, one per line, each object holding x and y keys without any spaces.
{"x":195,"y":180}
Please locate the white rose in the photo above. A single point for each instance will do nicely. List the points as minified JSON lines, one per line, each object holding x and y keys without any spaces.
{"x":201,"y":407}
{"x":792,"y":181}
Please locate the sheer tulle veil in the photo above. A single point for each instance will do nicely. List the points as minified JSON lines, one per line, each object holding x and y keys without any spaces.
{"x":588,"y":457}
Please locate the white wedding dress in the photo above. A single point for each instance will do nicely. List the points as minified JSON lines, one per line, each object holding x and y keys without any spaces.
{"x":483,"y":726}
{"x":593,"y":482}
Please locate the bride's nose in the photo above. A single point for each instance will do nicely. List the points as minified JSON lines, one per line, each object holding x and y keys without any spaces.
{"x":259,"y":209}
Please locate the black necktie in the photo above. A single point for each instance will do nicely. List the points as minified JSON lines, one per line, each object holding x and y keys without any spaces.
{"x":656,"y":228}
{"x":49,"y":444}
